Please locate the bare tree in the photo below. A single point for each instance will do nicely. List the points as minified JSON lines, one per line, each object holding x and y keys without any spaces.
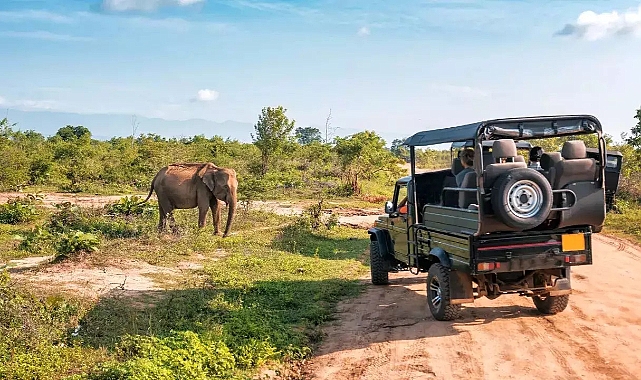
{"x":329,"y":131}
{"x":134,"y":129}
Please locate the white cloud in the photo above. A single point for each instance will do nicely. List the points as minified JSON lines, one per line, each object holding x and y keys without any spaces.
{"x":593,"y":26}
{"x":364,"y":31}
{"x":34,"y":15}
{"x":29,"y":104}
{"x":44,"y":35}
{"x":144,"y":5}
{"x":206,"y":95}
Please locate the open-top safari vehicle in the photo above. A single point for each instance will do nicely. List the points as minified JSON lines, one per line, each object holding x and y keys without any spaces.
{"x":507,"y":228}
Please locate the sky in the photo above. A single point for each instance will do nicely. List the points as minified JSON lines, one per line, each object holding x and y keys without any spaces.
{"x":391,"y":66}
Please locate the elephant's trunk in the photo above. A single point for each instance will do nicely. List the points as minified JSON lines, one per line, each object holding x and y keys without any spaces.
{"x":231,"y":205}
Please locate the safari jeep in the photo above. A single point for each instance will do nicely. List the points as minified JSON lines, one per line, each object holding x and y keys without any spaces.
{"x":507,"y":228}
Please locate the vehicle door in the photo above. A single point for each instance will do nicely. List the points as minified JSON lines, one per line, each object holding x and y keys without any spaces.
{"x":398,"y":220}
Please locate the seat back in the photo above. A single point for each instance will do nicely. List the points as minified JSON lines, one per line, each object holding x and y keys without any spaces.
{"x":457,"y":166}
{"x":487,"y":159}
{"x":466,"y":198}
{"x":504,"y":148}
{"x":575,"y":166}
{"x":548,"y":163}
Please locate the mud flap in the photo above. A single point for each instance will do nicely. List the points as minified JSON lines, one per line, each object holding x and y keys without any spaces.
{"x":460,"y":288}
{"x":561,"y":287}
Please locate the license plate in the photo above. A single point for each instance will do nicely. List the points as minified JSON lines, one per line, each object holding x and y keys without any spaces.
{"x":573,"y":242}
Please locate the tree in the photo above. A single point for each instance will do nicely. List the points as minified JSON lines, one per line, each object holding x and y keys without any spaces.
{"x":635,"y":138}
{"x":307,"y":135}
{"x":362,"y":155}
{"x":70,"y":133}
{"x":273,"y":132}
{"x":399,"y":150}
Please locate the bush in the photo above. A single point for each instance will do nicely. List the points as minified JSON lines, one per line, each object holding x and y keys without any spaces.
{"x":130,"y":206}
{"x":73,"y":242}
{"x":182,"y":355}
{"x":19,"y":210}
{"x":36,"y":241}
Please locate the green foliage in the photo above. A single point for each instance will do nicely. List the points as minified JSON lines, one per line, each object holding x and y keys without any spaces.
{"x":130,"y":206}
{"x":181,"y":355}
{"x":33,"y":335}
{"x":634,"y":140}
{"x":362,"y":155}
{"x":19,"y":210}
{"x":308,"y":135}
{"x":73,"y":242}
{"x":273,"y":133}
{"x":400,"y":151}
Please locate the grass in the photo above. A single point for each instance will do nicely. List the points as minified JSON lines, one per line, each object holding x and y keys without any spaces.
{"x":626,"y":222}
{"x":259,"y":300}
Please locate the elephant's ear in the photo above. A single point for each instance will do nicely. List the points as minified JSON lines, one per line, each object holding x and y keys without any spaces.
{"x":207,"y":176}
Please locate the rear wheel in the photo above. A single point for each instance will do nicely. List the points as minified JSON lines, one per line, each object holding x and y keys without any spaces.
{"x":551,"y":304}
{"x":438,"y":294}
{"x":379,"y":267}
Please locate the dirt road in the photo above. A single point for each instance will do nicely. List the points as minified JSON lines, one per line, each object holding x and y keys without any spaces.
{"x":388,"y":333}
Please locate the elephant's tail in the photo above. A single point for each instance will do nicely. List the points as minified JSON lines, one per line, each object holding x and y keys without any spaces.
{"x":151,"y":190}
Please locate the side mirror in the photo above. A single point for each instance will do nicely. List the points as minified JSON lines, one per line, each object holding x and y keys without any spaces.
{"x":389,"y":207}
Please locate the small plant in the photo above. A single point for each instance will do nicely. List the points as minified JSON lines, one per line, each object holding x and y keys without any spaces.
{"x":130,"y":206}
{"x":36,"y":240}
{"x":19,"y":210}
{"x":73,"y":242}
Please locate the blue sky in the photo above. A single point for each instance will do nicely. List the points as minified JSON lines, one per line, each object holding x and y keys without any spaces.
{"x":390,"y":66}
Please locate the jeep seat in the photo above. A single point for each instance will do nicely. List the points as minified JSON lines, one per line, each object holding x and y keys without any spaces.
{"x":467,"y":198}
{"x":504,"y":148}
{"x":575,"y":166}
{"x":548,"y":162}
{"x":457,"y":166}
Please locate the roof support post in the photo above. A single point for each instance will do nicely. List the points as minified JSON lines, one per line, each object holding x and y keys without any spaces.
{"x":412,"y":196}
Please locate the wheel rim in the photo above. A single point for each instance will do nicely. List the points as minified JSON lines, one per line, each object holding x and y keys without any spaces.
{"x":525,"y":199}
{"x":435,"y":293}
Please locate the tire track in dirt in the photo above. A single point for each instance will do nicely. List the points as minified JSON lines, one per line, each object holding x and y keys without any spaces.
{"x":388,"y":333}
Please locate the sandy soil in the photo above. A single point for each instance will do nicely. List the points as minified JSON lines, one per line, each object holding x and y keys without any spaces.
{"x":388,"y":332}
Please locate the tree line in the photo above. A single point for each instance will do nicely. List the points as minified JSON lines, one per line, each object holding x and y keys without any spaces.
{"x":280,"y":156}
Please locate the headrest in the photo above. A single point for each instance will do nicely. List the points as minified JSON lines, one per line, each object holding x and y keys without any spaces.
{"x":573,"y":150}
{"x":548,"y":160}
{"x":456,"y":166}
{"x":519,"y":159}
{"x":503,"y":148}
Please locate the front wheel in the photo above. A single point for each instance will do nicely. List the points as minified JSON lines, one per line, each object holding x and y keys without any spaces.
{"x":379,"y":267}
{"x":551,"y":304}
{"x":438,"y":294}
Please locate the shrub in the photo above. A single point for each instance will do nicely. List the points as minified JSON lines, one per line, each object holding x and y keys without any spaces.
{"x":36,"y":241}
{"x":130,"y":206}
{"x":182,"y":355}
{"x":73,"y":242}
{"x":19,"y":210}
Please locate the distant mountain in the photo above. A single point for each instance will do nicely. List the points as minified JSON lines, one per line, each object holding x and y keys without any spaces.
{"x":106,"y":126}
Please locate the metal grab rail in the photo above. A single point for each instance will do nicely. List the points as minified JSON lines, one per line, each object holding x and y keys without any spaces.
{"x":413,"y":252}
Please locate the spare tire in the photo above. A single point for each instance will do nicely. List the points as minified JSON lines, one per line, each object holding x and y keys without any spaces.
{"x":522,"y":198}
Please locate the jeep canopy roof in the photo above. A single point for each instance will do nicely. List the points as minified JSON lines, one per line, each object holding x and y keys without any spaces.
{"x":515,"y":128}
{"x":488,"y":144}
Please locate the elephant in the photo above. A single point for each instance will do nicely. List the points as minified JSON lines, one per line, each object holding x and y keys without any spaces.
{"x":198,"y":184}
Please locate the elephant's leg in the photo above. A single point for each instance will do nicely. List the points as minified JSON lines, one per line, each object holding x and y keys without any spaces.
{"x":162,"y":216}
{"x":215,"y":207}
{"x":203,"y":208}
{"x":166,"y":214}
